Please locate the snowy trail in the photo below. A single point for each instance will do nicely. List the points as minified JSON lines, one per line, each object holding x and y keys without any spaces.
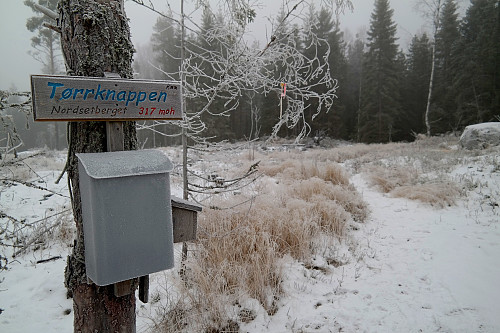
{"x":419,"y":269}
{"x":436,"y":269}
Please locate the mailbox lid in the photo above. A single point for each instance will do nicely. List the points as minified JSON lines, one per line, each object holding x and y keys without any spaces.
{"x":125,"y":163}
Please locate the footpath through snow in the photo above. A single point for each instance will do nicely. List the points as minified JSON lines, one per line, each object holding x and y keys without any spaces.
{"x":420,"y":269}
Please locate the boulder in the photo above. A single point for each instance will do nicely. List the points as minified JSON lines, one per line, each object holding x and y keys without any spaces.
{"x":480,"y":136}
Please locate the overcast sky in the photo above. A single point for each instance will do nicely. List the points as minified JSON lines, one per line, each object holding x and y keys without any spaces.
{"x":16,"y":64}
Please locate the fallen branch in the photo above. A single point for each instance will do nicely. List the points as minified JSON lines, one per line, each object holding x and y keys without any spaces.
{"x":49,"y":259}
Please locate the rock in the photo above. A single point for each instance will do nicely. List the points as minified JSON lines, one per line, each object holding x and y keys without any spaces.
{"x":480,"y":136}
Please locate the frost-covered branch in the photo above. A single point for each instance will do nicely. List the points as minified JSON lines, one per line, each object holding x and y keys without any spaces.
{"x":222,"y":73}
{"x":10,"y":140}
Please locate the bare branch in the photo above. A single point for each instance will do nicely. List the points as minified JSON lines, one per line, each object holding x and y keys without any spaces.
{"x":49,"y":13}
{"x":12,"y":181}
{"x":52,"y":27}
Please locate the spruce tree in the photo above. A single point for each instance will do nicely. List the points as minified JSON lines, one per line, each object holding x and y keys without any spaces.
{"x":443,"y":116}
{"x":210,"y":50}
{"x":400,"y":129}
{"x":166,"y":47}
{"x":380,"y":92}
{"x":477,"y":64}
{"x":352,"y":97}
{"x":338,"y":69}
{"x":416,"y":86}
{"x":447,"y":36}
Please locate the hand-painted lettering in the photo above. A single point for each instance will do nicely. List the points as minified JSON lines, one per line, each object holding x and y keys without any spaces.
{"x":121,"y":96}
{"x":87,"y":92}
{"x":140,"y":98}
{"x":78,"y":91}
{"x":66,"y":93}
{"x":99,"y":93}
{"x":131,"y":97}
{"x":164,"y":95}
{"x":54,"y":85}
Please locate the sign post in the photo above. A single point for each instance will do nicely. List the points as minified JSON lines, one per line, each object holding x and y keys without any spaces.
{"x":111,"y":99}
{"x":72,"y":98}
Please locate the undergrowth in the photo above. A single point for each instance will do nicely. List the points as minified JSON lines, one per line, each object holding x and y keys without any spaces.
{"x":239,"y":250}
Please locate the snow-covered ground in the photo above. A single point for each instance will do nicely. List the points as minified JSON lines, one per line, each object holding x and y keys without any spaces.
{"x":420,"y":269}
{"x":411,"y":267}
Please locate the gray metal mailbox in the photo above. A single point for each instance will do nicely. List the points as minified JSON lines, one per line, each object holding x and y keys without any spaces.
{"x":127,"y":214}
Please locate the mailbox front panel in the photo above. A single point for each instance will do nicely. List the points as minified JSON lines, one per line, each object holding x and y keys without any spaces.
{"x":127,"y":226}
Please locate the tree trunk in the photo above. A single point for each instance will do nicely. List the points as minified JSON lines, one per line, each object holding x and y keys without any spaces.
{"x":95,"y":38}
{"x":429,"y":96}
{"x":433,"y":66}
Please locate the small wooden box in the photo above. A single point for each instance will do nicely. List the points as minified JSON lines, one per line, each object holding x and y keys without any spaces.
{"x":185,"y":219}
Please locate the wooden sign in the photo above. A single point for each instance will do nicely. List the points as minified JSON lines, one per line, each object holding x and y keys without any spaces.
{"x":73,"y":98}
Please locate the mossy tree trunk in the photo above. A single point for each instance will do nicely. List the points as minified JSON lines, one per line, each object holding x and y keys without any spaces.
{"x":95,"y":38}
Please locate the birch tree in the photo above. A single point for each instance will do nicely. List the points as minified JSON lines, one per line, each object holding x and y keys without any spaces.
{"x":432,"y":10}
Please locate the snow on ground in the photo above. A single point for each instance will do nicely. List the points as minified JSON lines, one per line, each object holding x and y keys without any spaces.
{"x":420,"y":269}
{"x":32,"y":295}
{"x":410,"y":267}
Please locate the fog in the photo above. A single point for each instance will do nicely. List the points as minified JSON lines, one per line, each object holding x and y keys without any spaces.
{"x":15,"y":39}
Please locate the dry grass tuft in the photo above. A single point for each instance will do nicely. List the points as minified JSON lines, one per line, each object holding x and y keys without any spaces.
{"x":273,"y":170}
{"x":419,"y":171}
{"x":65,"y":230}
{"x":343,"y":153}
{"x":316,"y":190}
{"x":441,"y":194}
{"x":332,"y":217}
{"x":237,"y":252}
{"x":335,"y":174}
{"x":388,"y":178}
{"x":302,"y":170}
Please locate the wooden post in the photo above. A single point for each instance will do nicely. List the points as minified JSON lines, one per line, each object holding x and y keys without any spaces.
{"x":115,"y":141}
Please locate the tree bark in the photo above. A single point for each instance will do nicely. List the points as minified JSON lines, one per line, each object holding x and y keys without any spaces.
{"x":436,"y":23}
{"x":95,"y":38}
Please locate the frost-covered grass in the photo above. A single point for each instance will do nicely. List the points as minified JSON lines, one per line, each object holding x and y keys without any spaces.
{"x":399,"y":237}
{"x":238,"y":255}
